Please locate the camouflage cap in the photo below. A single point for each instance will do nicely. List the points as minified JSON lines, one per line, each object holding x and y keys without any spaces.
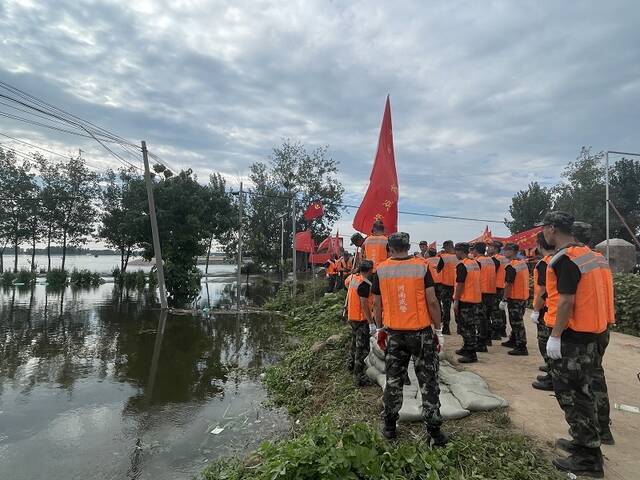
{"x":366,"y":266}
{"x":423,"y":242}
{"x":462,"y":246}
{"x":558,"y":218}
{"x":399,"y":240}
{"x":581,"y":231}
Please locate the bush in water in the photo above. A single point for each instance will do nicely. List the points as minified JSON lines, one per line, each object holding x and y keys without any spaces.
{"x":184,"y":281}
{"x":26,"y":277}
{"x":7,"y":278}
{"x":57,"y":278}
{"x":85,"y":278}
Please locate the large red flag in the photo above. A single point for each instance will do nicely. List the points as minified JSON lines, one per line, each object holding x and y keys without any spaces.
{"x":304,"y":241}
{"x":381,"y":200}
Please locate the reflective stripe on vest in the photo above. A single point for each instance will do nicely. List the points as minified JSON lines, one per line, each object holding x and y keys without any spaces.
{"x":471,"y":292}
{"x":520,"y":286}
{"x":403,"y":294}
{"x":591,"y":310}
{"x":608,"y":282}
{"x":375,"y":249}
{"x":448,"y":272}
{"x":487,"y":275}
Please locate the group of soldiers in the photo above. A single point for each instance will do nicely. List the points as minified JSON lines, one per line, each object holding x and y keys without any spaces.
{"x":405,"y":302}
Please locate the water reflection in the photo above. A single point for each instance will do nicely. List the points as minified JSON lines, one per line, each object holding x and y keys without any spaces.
{"x":101,"y":379}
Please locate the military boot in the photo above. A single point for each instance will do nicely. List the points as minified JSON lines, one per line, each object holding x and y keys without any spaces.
{"x":438,"y":437}
{"x":511,"y":343}
{"x":544,"y":378}
{"x":389,"y":430}
{"x":543,"y":385}
{"x":606,"y":437}
{"x":468,"y":358}
{"x":583,"y":461}
{"x":482,"y":348}
{"x":519,"y":351}
{"x":544,"y":368}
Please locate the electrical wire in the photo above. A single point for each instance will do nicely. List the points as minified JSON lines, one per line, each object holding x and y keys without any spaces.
{"x":35,"y":146}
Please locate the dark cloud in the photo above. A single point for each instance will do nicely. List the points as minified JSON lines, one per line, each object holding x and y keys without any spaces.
{"x":486,"y":96}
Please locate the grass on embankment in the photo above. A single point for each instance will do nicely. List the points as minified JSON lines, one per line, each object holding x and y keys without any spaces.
{"x":337,"y":436}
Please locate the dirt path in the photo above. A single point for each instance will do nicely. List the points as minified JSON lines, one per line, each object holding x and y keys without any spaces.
{"x":538,"y":413}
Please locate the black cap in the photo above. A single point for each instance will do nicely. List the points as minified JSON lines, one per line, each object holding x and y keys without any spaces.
{"x":423,"y":242}
{"x":559,"y":219}
{"x":399,"y":240}
{"x":462,"y":246}
{"x":366,"y":266}
{"x":512,"y":246}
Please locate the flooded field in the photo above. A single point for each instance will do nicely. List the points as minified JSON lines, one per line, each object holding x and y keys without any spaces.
{"x":97,"y":384}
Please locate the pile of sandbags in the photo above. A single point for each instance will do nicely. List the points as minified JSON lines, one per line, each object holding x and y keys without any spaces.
{"x":460,"y":392}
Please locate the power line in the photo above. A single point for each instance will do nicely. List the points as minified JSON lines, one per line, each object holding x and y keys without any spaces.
{"x":35,"y":146}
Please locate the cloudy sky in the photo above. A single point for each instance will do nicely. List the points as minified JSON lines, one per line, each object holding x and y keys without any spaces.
{"x":486,"y":96}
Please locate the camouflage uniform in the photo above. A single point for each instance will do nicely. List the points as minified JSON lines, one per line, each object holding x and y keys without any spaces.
{"x":516,"y":319}
{"x":485,"y":327}
{"x":599,"y":387}
{"x":401,"y":345}
{"x":359,"y":349}
{"x":573,"y":376}
{"x":446,"y":297}
{"x":543,"y":335}
{"x":498,"y":318}
{"x":469,"y":321}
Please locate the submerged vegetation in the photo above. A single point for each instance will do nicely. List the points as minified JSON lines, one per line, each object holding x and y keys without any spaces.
{"x":336,"y":428}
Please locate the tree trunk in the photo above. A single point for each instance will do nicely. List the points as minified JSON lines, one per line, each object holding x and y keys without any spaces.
{"x":121,"y":259}
{"x":126,"y":259}
{"x":15,"y":255}
{"x":49,"y":234}
{"x":2,"y":259}
{"x":33,"y":253}
{"x":206,"y":268}
{"x":64,"y":249}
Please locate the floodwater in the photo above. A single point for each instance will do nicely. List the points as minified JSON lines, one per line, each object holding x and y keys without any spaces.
{"x":103,"y":264}
{"x":99,"y":384}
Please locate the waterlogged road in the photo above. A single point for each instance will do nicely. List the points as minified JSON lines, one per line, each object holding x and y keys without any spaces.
{"x":95,"y":384}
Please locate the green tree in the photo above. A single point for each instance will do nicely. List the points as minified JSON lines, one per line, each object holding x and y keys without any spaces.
{"x":222,"y":212}
{"x":17,"y":186}
{"x":291,"y":172}
{"x":51,"y":209}
{"x":76,"y":197}
{"x":122,"y":219}
{"x":186,"y":223}
{"x":527,"y":207}
{"x":582,"y":191}
{"x":624,"y":178}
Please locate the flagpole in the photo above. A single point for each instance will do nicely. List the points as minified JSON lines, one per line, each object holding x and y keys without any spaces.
{"x":293,"y":224}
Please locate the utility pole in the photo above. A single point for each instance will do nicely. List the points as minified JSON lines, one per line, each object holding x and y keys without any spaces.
{"x":154,"y":228}
{"x":239,"y":273}
{"x":293,"y":243}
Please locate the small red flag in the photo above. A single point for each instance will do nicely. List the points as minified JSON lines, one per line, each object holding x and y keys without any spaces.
{"x":433,"y":245}
{"x":304,"y":241}
{"x":381,"y":200}
{"x":314,"y":210}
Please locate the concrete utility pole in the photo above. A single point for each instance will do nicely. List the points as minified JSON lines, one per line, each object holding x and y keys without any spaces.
{"x":239,"y":273}
{"x":154,"y":228}
{"x":293,"y":223}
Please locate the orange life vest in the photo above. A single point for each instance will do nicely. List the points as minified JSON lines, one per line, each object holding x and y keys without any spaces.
{"x":520,"y":287}
{"x":332,"y":269}
{"x":403,"y":294}
{"x":504,"y":261}
{"x":487,"y":274}
{"x":448,"y":272}
{"x":354,"y":308}
{"x":590,"y":310}
{"x":432,"y":263}
{"x":375,"y":249}
{"x":608,"y":282}
{"x":472,"y":292}
{"x":341,"y":265}
{"x":536,"y":287}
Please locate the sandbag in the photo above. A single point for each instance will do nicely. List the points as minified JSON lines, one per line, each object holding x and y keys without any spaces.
{"x":377,"y":363}
{"x":411,"y":411}
{"x":476,"y":397}
{"x":373,"y":347}
{"x":450,"y":407}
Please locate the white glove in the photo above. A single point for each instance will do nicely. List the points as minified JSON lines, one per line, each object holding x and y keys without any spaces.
{"x":440,"y":337}
{"x":554,"y":351}
{"x":372,"y":328}
{"x":502,"y":305}
{"x":535,"y":317}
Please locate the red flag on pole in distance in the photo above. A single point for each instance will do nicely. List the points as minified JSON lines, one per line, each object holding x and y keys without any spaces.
{"x":381,"y":200}
{"x":304,"y":241}
{"x":314,"y":210}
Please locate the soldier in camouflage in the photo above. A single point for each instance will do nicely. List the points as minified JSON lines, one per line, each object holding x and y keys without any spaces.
{"x":401,"y":285}
{"x":361,"y":330}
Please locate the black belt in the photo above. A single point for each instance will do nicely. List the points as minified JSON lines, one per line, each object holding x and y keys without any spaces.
{"x":390,"y":330}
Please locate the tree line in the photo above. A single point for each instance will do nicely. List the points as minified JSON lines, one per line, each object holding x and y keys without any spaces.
{"x":581,"y":192}
{"x":65,"y":204}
